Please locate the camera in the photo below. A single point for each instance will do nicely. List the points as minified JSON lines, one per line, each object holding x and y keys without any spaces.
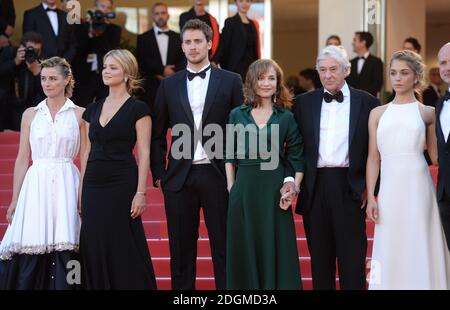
{"x":99,"y":20}
{"x":31,"y":55}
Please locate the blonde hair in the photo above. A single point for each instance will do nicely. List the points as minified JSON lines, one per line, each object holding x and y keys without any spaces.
{"x":415,"y":63}
{"x":64,"y":68}
{"x":282,"y":97}
{"x":130,"y":67}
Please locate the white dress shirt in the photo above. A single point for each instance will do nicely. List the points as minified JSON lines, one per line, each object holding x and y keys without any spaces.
{"x":334,"y":132}
{"x":361,"y":62}
{"x":197,"y":89}
{"x":163,"y":44}
{"x":445,"y":118}
{"x":53,"y":17}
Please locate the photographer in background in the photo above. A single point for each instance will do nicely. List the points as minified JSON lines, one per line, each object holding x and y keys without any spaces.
{"x":22,"y":65}
{"x":95,"y":36}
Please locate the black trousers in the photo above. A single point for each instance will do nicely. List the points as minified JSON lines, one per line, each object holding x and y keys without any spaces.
{"x":335,"y":228}
{"x":444,"y":211}
{"x":206,"y":189}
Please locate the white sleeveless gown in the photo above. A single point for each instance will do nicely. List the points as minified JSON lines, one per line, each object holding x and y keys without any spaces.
{"x":409,"y":249}
{"x":46,"y":217}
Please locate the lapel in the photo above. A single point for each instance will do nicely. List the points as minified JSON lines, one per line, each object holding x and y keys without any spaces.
{"x":355,"y":108}
{"x":183,"y":94}
{"x":172,"y":49}
{"x":154,"y":42}
{"x":61,"y":24}
{"x":316,"y":111}
{"x":213,"y":86}
{"x":241,"y":28}
{"x":46,"y":20}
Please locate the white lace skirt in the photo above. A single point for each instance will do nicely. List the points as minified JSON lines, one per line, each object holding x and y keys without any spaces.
{"x":46,"y":217}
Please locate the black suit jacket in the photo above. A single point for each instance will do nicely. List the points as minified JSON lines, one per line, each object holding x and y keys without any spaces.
{"x":7,"y":15}
{"x":233,"y":43}
{"x":430,"y":97}
{"x":371,"y":77}
{"x":172,"y":108}
{"x":63,"y":45}
{"x":307,"y":112}
{"x":150,"y":63}
{"x":443,"y":184}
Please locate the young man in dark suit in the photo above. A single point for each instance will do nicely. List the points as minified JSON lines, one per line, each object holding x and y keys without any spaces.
{"x":367,"y":70}
{"x":158,"y":52}
{"x":189,"y":101}
{"x":442,"y":133}
{"x":333,"y":122}
{"x":51,"y":23}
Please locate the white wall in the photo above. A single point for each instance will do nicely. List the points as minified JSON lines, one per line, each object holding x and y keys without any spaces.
{"x":341,"y":17}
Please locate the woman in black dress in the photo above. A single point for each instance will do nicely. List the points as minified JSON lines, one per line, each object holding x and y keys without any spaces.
{"x":113,"y":247}
{"x":239,"y":42}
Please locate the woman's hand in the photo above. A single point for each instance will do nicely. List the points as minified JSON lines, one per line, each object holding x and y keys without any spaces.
{"x":138,"y":205}
{"x":10,"y":212}
{"x":286,"y":200}
{"x":372,"y":210}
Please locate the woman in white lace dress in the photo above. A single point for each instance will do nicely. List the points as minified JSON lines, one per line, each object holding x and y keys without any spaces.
{"x":409,"y":249}
{"x":43,"y":235}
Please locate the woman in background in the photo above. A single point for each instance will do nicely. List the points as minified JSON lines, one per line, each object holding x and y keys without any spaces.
{"x":239,"y":43}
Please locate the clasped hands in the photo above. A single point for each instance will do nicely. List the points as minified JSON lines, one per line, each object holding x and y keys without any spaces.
{"x":288,"y":193}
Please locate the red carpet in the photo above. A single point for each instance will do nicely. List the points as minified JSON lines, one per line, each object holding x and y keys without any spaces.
{"x":155,"y":225}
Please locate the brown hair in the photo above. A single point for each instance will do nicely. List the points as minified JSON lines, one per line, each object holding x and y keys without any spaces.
{"x":415,"y":63}
{"x":130,"y":67}
{"x":282,"y":98}
{"x":197,"y":24}
{"x":64,"y":68}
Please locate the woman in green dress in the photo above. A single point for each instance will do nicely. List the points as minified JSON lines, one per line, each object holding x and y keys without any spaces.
{"x":262,"y":138}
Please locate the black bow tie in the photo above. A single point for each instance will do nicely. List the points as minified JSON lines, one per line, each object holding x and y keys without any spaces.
{"x":362,"y":57}
{"x":202,"y":74}
{"x":339,"y":97}
{"x":50,"y":10}
{"x":163,"y":32}
{"x":447,"y":96}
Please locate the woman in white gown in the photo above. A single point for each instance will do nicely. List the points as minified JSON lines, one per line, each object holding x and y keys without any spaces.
{"x":409,"y":250}
{"x":43,"y":234}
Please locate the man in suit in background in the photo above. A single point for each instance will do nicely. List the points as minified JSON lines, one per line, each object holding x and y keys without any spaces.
{"x":194,"y":98}
{"x":442,"y":133}
{"x":159,"y":52}
{"x":51,"y":23}
{"x":95,"y":38}
{"x":433,"y":92}
{"x":198,"y":12}
{"x":367,"y":70}
{"x":333,"y":122}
